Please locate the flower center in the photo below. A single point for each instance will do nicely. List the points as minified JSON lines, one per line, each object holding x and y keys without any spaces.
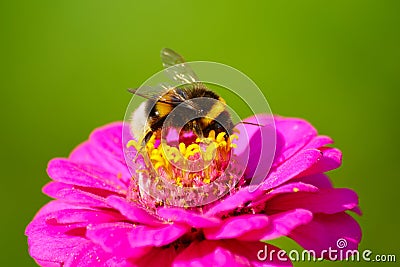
{"x":191,"y":164}
{"x":188,"y":171}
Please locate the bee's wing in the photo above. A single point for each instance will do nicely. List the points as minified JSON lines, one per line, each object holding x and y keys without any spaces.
{"x":180,"y":71}
{"x":149,"y":92}
{"x":155,"y":93}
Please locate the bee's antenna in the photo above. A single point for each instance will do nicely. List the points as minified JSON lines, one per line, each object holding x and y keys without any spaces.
{"x":251,"y":123}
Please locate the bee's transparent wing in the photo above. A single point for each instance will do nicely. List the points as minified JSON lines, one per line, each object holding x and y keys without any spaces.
{"x":155,"y":93}
{"x":176,"y":68}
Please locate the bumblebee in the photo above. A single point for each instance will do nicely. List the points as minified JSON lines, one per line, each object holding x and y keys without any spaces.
{"x":194,"y":112}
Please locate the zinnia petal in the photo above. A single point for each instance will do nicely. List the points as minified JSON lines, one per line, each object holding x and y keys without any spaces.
{"x":330,"y":160}
{"x":187,"y":217}
{"x":325,"y":230}
{"x":319,"y":180}
{"x":160,"y":257}
{"x":132,"y":211}
{"x":52,"y":243}
{"x":256,"y":146}
{"x":234,"y":201}
{"x":286,"y":188}
{"x":323,"y":201}
{"x":89,"y":153}
{"x":294,"y":166}
{"x":237,"y":226}
{"x":87,"y":254}
{"x":142,"y":236}
{"x":227,"y":253}
{"x":292,"y":135}
{"x":62,"y":170}
{"x":73,"y":194}
{"x":113,"y":238}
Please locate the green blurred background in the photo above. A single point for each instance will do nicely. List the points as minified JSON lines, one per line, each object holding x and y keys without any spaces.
{"x":66,"y":66}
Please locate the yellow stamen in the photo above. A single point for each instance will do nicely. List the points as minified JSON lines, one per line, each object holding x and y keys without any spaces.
{"x":233,"y":136}
{"x":158,"y":165}
{"x":178,"y":181}
{"x":182,"y":148}
{"x":217,"y":147}
{"x":157,"y":157}
{"x":221,"y":137}
{"x":132,"y":143}
{"x":211,"y":135}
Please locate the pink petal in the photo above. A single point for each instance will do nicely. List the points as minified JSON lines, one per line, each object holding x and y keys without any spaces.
{"x":142,"y":236}
{"x":237,"y":226}
{"x":227,"y":253}
{"x":319,"y":180}
{"x":287,"y":188}
{"x":132,"y":212}
{"x":292,"y":187}
{"x":325,"y":230}
{"x":119,"y":262}
{"x":105,"y":149}
{"x":191,"y":218}
{"x":325,"y":201}
{"x":318,"y":142}
{"x":53,"y":249}
{"x":283,"y":223}
{"x":160,"y":257}
{"x":88,"y":153}
{"x":62,"y":170}
{"x":280,"y":224}
{"x":258,"y":226}
{"x":331,"y":159}
{"x":87,"y":254}
{"x":357,"y":210}
{"x":54,"y":205}
{"x":113,"y":238}
{"x":73,"y":194}
{"x":109,"y":139}
{"x":256,"y":147}
{"x":68,"y":216}
{"x":293,"y":134}
{"x":297,"y":164}
{"x":201,"y":255}
{"x":45,"y":223}
{"x":238,"y":199}
{"x":48,"y":263}
{"x":52,"y":243}
{"x":85,"y":153}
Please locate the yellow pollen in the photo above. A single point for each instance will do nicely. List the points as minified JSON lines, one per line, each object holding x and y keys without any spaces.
{"x":211,"y":135}
{"x":156,"y":157}
{"x":295,"y":189}
{"x":221,"y":137}
{"x":182,"y":148}
{"x":132,"y":143}
{"x":215,"y":148}
{"x":178,"y":181}
{"x":158,"y":165}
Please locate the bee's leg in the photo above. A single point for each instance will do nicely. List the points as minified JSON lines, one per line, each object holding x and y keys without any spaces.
{"x":147,"y":138}
{"x":197,"y":130}
{"x":143,"y":141}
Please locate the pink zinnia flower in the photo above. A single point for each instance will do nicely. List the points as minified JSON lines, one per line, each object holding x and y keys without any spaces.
{"x":93,"y":221}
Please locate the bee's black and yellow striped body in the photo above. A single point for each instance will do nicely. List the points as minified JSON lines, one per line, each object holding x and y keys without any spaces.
{"x":209,"y":115}
{"x":198,"y":108}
